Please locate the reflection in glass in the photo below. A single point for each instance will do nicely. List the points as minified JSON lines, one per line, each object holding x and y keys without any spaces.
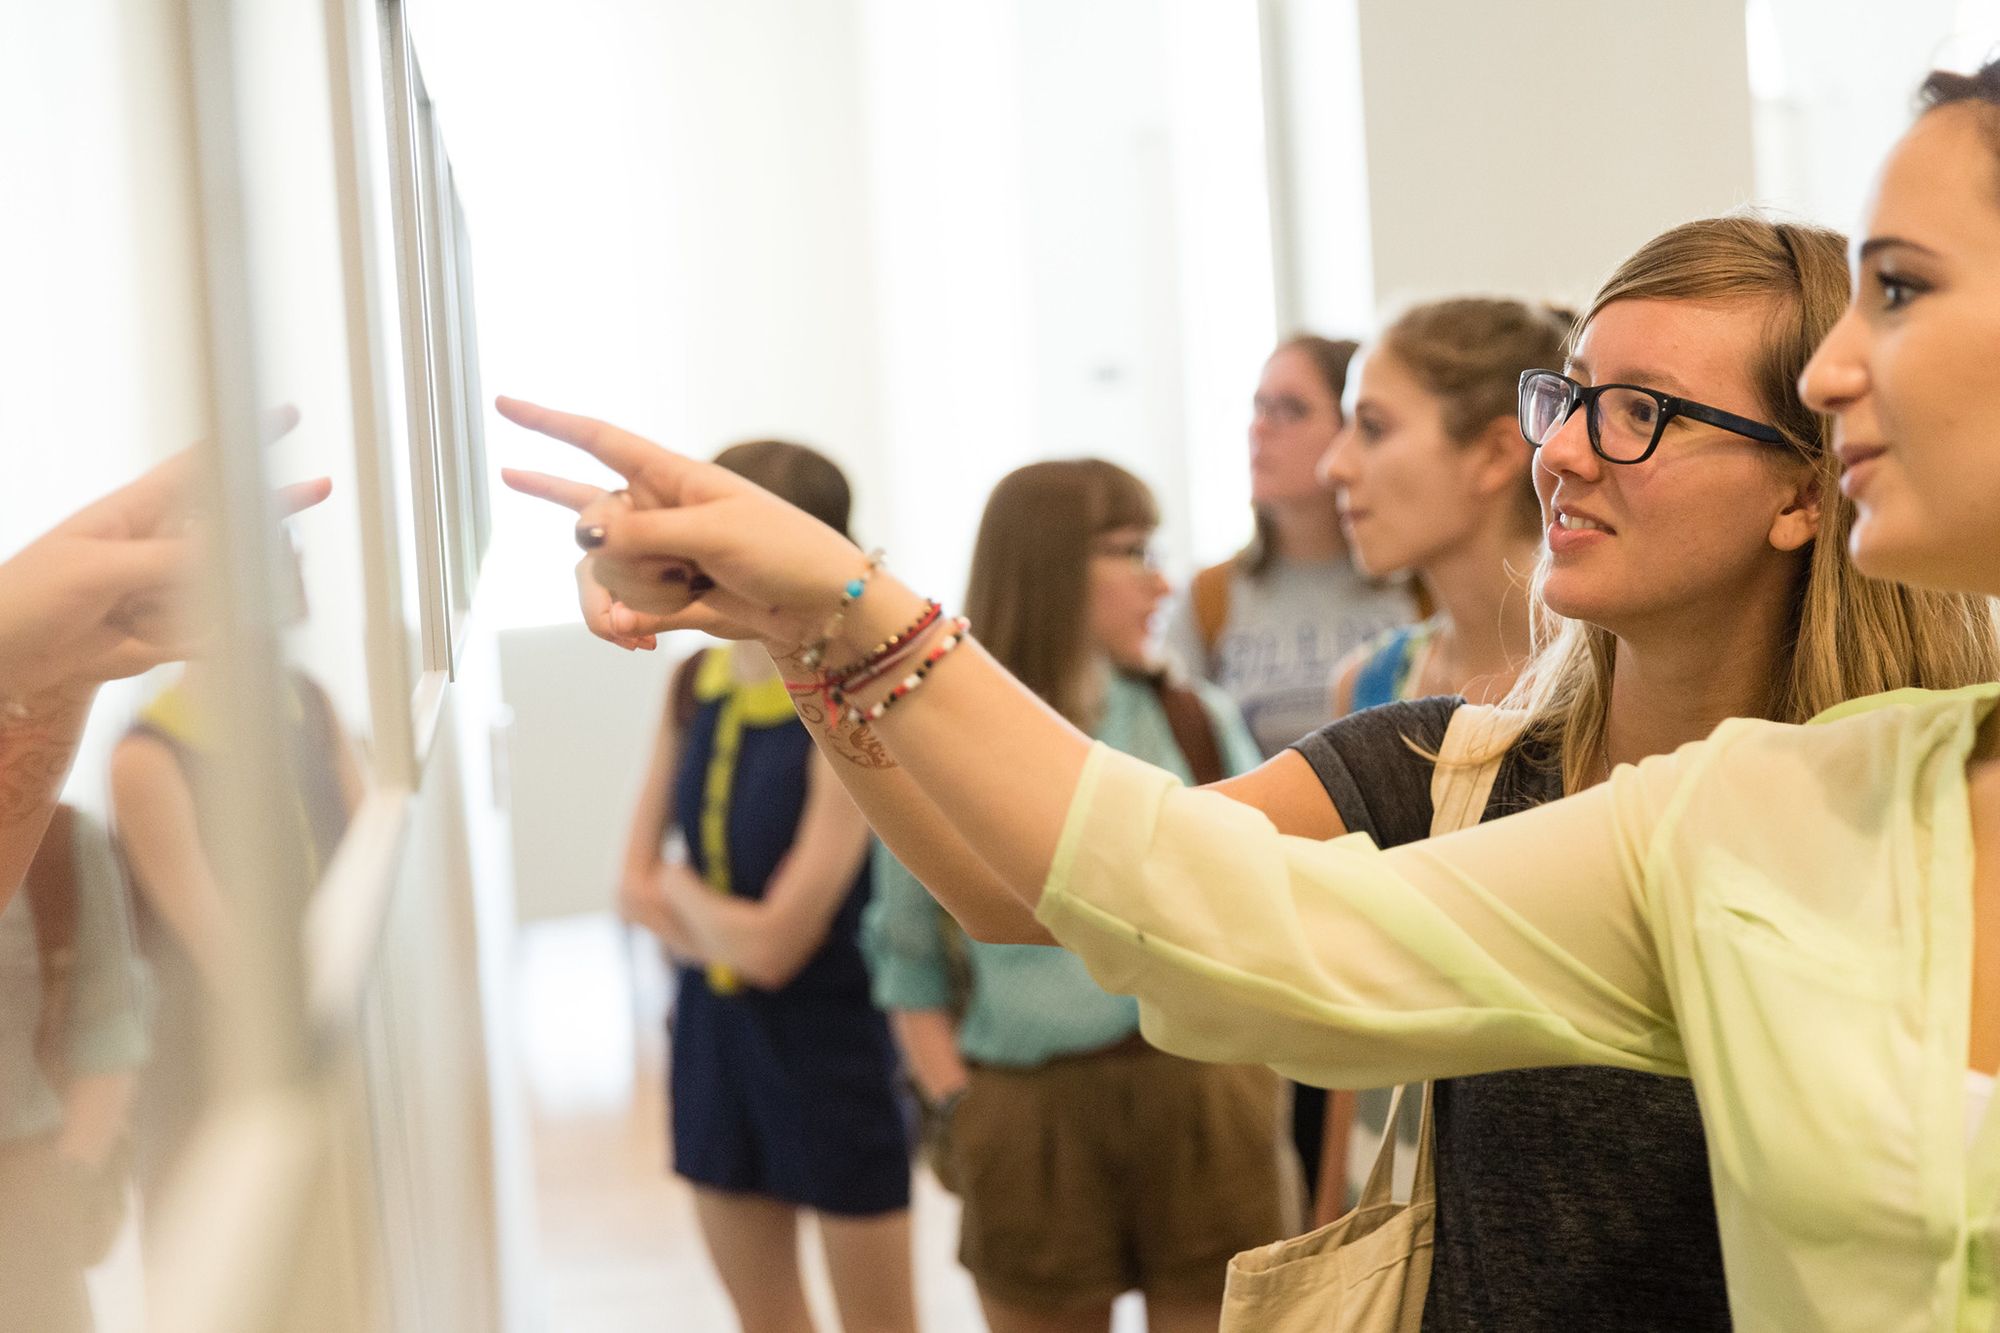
{"x":72,"y":1042}
{"x":167,"y":777}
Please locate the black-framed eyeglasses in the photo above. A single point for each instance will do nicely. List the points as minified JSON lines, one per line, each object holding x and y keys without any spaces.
{"x":1625,"y":420}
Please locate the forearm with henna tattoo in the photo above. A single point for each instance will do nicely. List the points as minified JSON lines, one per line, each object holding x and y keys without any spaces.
{"x":857,"y":744}
{"x":38,"y":740}
{"x":853,"y":743}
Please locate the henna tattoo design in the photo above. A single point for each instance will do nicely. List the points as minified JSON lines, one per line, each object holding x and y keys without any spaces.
{"x":37,"y":742}
{"x":858,"y":745}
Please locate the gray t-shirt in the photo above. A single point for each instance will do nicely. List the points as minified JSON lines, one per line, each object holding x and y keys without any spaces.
{"x":1566,"y":1198}
{"x":1285,"y":635}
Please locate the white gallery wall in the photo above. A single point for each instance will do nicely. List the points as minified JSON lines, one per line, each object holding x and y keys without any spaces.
{"x":936,"y":241}
{"x":1834,"y":83}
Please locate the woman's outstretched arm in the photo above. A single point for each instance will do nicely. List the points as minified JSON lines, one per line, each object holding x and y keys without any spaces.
{"x":1009,"y":733}
{"x":1334,"y":961}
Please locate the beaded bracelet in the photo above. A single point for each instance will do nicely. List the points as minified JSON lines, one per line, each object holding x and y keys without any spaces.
{"x":832,"y":688}
{"x":838,"y":696}
{"x":952,"y":639}
{"x":879,"y":662}
{"x":850,"y":593}
{"x":838,"y":692}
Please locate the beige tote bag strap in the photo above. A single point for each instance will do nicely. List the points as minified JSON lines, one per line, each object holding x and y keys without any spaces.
{"x":1380,"y":1185}
{"x":1459,"y":792}
{"x":1424,"y":1188}
{"x":1459,"y":788}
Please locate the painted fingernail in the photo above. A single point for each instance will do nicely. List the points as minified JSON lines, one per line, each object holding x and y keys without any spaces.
{"x":590,"y":538}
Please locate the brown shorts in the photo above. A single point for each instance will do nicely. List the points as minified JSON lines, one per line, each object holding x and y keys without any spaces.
{"x":1096,"y":1174}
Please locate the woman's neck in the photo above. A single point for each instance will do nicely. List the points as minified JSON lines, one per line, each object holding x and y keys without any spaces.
{"x":1481,"y":591}
{"x":1307,"y":530}
{"x":1680,"y":678}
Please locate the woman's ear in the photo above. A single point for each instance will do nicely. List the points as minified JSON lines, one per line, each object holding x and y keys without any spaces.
{"x":1798,"y":522}
{"x":1503,"y":456}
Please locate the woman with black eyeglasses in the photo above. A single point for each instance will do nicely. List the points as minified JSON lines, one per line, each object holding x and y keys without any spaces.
{"x":1794,"y":918}
{"x":1693,"y":571}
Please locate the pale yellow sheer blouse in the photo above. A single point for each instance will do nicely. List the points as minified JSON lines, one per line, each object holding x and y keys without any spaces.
{"x":1783,"y":914}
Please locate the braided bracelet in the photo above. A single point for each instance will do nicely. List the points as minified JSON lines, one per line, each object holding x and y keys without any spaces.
{"x":882,"y":659}
{"x":838,"y":692}
{"x":833,"y":688}
{"x":955,"y":636}
{"x":850,"y":593}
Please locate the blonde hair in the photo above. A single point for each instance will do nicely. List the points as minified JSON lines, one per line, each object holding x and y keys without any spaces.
{"x":1851,"y":635}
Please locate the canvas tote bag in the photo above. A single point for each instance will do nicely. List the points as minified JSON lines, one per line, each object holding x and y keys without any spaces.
{"x":1369,"y":1271}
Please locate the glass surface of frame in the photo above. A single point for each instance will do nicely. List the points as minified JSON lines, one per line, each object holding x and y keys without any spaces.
{"x":408,"y":150}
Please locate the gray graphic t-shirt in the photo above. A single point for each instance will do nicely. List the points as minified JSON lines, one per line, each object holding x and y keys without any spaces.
{"x":1286,"y":633}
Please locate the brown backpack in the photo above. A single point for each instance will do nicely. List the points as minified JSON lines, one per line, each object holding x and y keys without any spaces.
{"x":1209,"y":592}
{"x":1194,"y":733}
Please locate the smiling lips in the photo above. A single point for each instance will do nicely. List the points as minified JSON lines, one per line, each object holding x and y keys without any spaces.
{"x":1571,"y":530}
{"x":1854,"y":460}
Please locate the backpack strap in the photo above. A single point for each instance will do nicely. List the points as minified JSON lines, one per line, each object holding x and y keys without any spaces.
{"x":1209,"y":592}
{"x":52,"y":898}
{"x":1194,"y":732}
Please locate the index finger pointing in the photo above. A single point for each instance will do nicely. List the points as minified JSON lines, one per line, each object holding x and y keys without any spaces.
{"x":620,"y":450}
{"x":575,"y":495}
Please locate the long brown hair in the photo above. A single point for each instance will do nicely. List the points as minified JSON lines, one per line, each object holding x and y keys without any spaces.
{"x":1850,"y":635}
{"x":1029,"y":591}
{"x":1330,"y":359}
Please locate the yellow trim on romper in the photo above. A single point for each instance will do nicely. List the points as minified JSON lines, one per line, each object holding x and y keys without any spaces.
{"x":765,"y":704}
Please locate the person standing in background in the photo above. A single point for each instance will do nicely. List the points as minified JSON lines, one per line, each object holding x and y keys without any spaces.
{"x":72,"y":1038}
{"x":782,"y":1089}
{"x":1090,"y":1164}
{"x":1432,"y":479}
{"x":1271,"y":624}
{"x":166,"y":778}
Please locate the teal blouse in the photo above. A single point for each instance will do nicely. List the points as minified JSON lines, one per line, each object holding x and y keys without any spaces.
{"x":1029,"y":1003}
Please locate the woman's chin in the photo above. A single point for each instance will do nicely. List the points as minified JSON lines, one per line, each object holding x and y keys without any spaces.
{"x":1883,"y":550}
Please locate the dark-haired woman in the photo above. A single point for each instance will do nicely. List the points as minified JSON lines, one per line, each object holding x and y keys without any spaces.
{"x":782,"y":1082}
{"x":1271,"y":624}
{"x":1432,"y":482}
